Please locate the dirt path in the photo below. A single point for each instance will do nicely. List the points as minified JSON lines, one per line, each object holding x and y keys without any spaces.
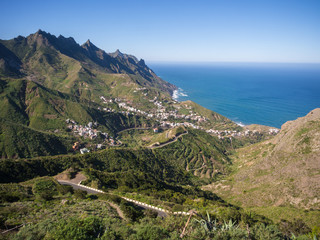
{"x":203,"y":166}
{"x":117,"y":208}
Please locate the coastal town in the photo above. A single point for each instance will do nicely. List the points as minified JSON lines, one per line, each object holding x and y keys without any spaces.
{"x":172,"y":118}
{"x":165,"y":119}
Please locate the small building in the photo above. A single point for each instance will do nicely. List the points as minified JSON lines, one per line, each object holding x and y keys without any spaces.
{"x":76,"y":146}
{"x":84,"y":150}
{"x":99,"y":146}
{"x":155,"y":130}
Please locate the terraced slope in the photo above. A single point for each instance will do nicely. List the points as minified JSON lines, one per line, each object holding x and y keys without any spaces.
{"x":198,"y":153}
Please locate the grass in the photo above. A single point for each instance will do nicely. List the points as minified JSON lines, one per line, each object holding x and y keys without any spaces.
{"x":311,"y":217}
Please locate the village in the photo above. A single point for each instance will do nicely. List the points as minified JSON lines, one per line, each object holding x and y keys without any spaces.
{"x":163,"y":117}
{"x":166,"y":119}
{"x":90,"y":131}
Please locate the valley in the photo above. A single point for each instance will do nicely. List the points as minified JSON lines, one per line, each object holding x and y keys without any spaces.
{"x":74,"y":109}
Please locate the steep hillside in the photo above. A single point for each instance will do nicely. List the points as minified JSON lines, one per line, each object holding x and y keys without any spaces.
{"x":62,"y":64}
{"x":33,"y":119}
{"x":18,"y":141}
{"x":215,"y":120}
{"x":45,"y":80}
{"x":282,"y":171}
{"x":198,"y":153}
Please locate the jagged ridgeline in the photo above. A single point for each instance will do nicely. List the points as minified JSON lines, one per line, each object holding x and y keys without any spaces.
{"x":45,"y":80}
{"x":60,"y":63}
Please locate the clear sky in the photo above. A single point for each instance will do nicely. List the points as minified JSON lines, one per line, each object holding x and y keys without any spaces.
{"x":174,"y":30}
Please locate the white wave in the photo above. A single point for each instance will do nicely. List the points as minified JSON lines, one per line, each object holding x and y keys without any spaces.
{"x":178,"y":93}
{"x":175,"y":95}
{"x":240,"y":124}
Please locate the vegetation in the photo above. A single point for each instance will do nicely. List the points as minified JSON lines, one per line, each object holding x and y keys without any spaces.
{"x":65,"y":216}
{"x":45,"y":80}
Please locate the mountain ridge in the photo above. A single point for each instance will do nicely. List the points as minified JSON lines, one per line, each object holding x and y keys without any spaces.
{"x":21,"y":56}
{"x":280,"y":171}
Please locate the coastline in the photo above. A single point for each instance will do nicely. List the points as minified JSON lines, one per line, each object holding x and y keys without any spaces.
{"x":268,"y":95}
{"x":179,"y":92}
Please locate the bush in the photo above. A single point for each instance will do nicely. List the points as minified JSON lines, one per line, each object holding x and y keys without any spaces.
{"x":226,"y":214}
{"x":80,"y":194}
{"x":131,"y":211}
{"x":297,"y":227}
{"x":73,"y":228}
{"x":261,"y":231}
{"x":65,"y":189}
{"x":147,"y":231}
{"x":45,"y":189}
{"x":150,"y":213}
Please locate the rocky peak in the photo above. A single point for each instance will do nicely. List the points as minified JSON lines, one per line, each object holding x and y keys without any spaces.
{"x":67,"y":40}
{"x":40,"y":32}
{"x":88,"y":45}
{"x":117,"y":53}
{"x":40,"y":38}
{"x":142,"y":63}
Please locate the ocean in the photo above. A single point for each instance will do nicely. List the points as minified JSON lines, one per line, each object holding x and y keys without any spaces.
{"x":247,"y":93}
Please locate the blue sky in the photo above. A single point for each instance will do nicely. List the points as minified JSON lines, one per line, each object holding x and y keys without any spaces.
{"x":174,"y":30}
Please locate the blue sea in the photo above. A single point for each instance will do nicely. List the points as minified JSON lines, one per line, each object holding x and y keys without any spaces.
{"x":247,"y":93}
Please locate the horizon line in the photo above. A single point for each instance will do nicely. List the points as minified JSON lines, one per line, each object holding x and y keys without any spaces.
{"x":201,"y":62}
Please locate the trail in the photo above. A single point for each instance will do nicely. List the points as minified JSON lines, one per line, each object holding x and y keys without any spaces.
{"x":120,"y":213}
{"x":203,"y":166}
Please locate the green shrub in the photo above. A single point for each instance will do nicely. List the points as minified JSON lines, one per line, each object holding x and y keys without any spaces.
{"x":73,"y":228}
{"x":44,"y":189}
{"x":149,"y":231}
{"x":131,"y":211}
{"x":65,"y":189}
{"x":80,"y":194}
{"x":296,"y":227}
{"x":267,"y":232}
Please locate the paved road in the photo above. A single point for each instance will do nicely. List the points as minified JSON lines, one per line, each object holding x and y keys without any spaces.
{"x":167,"y":143}
{"x":76,"y":186}
{"x":92,"y":191}
{"x":160,"y":213}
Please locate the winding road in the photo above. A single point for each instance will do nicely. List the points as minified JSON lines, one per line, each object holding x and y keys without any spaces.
{"x":167,"y":143}
{"x":94,"y":191}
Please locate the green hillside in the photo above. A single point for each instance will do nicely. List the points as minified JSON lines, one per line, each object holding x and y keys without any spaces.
{"x":86,"y":71}
{"x":18,"y":141}
{"x":59,"y":98}
{"x":198,"y":153}
{"x":29,"y":111}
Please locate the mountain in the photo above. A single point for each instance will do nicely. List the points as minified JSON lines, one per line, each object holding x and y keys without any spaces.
{"x":62,"y":64}
{"x":282,"y":171}
{"x":45,"y":80}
